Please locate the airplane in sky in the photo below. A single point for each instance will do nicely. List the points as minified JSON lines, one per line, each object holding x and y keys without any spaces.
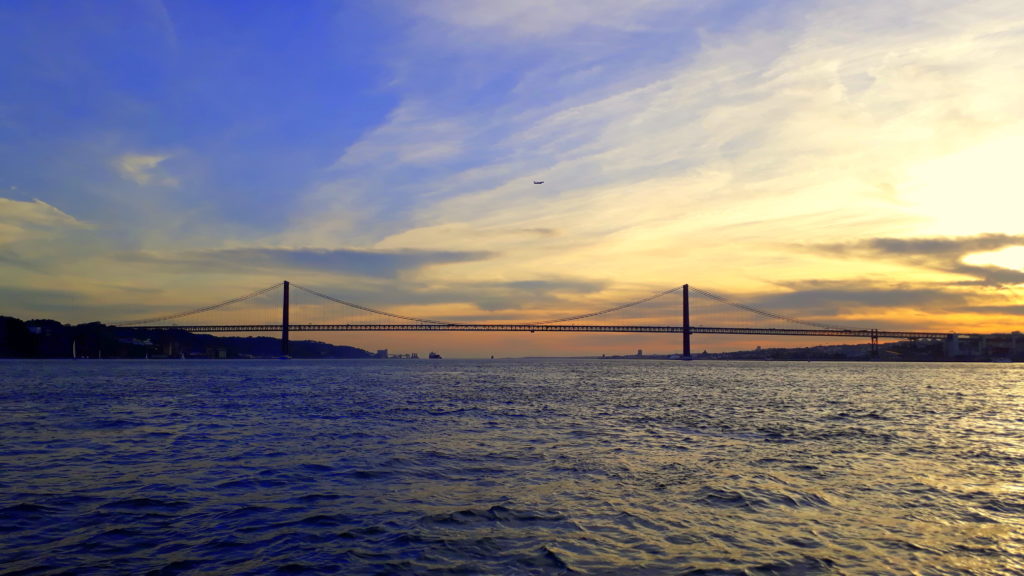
{"x":538,"y":181}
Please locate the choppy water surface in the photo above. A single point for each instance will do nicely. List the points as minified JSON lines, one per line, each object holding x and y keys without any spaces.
{"x":510,"y":467}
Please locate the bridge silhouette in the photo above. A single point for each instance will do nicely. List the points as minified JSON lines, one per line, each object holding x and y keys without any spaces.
{"x":330,"y":314}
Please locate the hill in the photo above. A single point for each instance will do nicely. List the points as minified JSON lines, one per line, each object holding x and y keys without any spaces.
{"x":51,"y":339}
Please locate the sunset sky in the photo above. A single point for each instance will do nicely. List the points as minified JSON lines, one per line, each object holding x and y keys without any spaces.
{"x":858,"y":163}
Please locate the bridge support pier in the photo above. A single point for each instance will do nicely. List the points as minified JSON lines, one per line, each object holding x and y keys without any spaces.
{"x":284,"y":322}
{"x":686,"y":322}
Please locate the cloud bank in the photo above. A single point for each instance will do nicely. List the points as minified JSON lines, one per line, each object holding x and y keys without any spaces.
{"x":942,"y":254}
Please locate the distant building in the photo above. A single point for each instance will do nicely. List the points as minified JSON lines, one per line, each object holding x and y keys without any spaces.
{"x":217,"y":352}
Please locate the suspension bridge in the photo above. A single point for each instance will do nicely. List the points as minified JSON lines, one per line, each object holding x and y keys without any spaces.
{"x":321,"y":312}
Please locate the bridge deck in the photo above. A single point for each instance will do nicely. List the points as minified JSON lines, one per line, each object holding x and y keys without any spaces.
{"x":904,"y":335}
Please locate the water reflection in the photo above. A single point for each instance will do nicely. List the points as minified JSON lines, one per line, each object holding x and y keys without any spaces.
{"x":499,"y":467}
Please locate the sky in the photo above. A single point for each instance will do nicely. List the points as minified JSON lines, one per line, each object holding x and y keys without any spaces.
{"x":853,"y":163}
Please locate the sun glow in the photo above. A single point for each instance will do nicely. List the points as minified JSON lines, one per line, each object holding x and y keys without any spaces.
{"x":976,"y":190}
{"x":1011,"y":257}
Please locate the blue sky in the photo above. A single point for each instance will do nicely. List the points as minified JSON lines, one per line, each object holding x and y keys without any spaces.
{"x":857,"y":157}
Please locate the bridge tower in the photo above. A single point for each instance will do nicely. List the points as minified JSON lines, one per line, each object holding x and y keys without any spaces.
{"x":284,"y":321}
{"x":686,"y":321}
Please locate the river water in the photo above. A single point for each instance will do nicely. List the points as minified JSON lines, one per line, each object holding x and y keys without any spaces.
{"x":510,"y":467}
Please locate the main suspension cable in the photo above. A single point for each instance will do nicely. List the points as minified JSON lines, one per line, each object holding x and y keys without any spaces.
{"x":198,"y":310}
{"x":368,"y":309}
{"x":612,"y":309}
{"x":764,"y":313}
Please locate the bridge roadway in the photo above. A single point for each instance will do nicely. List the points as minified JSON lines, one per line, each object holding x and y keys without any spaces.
{"x":873,"y":334}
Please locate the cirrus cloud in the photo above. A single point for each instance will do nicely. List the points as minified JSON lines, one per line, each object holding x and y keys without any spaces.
{"x":144,"y":169}
{"x":374,"y":263}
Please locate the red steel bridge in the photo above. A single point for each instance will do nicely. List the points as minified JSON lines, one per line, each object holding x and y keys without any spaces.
{"x":226,"y":317}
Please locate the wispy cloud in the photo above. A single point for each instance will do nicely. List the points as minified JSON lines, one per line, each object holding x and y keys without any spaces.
{"x":530,"y":294}
{"x":144,"y":169}
{"x":33,"y":221}
{"x":748,"y":106}
{"x":526,"y":19}
{"x":410,"y":136}
{"x":376,"y":263}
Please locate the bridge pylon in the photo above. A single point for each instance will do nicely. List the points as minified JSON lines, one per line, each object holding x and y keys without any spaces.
{"x":284,"y":322}
{"x":686,"y":322}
